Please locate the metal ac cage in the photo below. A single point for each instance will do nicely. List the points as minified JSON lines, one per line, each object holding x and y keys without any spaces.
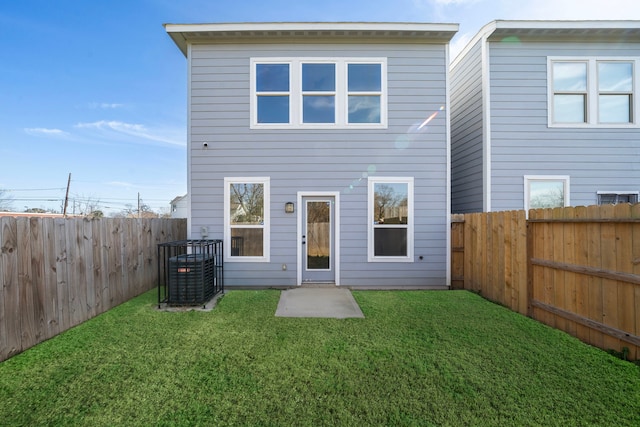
{"x":190,"y":272}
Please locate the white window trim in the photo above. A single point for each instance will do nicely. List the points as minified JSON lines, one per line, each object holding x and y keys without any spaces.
{"x":370,"y":226}
{"x":341,"y":94}
{"x":592,"y":91}
{"x":529,"y":178}
{"x":266,"y":239}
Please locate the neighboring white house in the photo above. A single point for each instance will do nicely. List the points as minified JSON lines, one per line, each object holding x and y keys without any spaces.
{"x":319,"y":152}
{"x":546,"y":113}
{"x":180,"y":207}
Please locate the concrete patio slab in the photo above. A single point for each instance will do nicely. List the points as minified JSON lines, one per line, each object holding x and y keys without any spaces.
{"x":336,"y":303}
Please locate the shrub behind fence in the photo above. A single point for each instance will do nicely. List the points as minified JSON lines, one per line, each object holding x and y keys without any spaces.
{"x":56,"y":273}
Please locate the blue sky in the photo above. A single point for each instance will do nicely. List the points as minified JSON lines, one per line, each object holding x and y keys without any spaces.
{"x":96,"y":88}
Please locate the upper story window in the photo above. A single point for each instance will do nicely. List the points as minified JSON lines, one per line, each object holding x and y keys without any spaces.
{"x":318,"y":93}
{"x":592,"y":92}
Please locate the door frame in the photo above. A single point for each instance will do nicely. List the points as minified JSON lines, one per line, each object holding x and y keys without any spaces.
{"x":301,"y":231}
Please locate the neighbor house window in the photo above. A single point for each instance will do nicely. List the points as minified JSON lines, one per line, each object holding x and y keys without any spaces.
{"x":615,"y":197}
{"x":545,"y":191}
{"x":591,"y":91}
{"x":318,"y":93}
{"x":246,"y":219}
{"x":391,"y":219}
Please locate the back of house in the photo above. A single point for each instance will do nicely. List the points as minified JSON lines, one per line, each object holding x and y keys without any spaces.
{"x":319,"y":152}
{"x":546,"y":114}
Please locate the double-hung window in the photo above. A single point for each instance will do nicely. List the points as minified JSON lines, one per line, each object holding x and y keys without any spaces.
{"x":390,"y":218}
{"x":592,"y":92}
{"x":246,"y":218}
{"x":318,"y":93}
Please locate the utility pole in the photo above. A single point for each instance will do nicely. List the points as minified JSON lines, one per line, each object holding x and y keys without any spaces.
{"x":138,"y":204}
{"x":66,"y":197}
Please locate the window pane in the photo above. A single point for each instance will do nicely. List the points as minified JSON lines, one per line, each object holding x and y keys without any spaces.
{"x":546,"y":194}
{"x":247,"y":241}
{"x":272,"y":77}
{"x":318,"y":109}
{"x":364,"y":109}
{"x":569,"y":109}
{"x":318,"y":77}
{"x":247,"y":204}
{"x":615,"y":76}
{"x":390,"y":242}
{"x":614,"y":108}
{"x":365,"y":77}
{"x":273,"y":109}
{"x":390,"y":204}
{"x":569,"y":76}
{"x":318,"y":235}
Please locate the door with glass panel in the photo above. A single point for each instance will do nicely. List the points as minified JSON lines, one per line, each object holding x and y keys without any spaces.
{"x":318,"y":239}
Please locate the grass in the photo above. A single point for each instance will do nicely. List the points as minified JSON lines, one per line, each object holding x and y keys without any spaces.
{"x":418,"y":358}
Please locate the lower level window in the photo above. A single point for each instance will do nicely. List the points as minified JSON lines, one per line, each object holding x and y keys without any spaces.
{"x":246,"y":219}
{"x":390,"y":216}
{"x":615,"y":197}
{"x":546,"y":191}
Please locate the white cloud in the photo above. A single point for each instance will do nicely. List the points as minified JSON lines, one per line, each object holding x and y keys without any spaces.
{"x":45,"y":132}
{"x":138,"y":131}
{"x":105,"y":105}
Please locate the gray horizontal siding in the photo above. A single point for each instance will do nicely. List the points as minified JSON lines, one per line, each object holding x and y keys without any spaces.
{"x":322,"y":160}
{"x":466,"y":133}
{"x":596,"y":159}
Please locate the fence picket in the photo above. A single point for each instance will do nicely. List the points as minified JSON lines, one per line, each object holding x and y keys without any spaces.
{"x":576,"y":269}
{"x":59,"y":272}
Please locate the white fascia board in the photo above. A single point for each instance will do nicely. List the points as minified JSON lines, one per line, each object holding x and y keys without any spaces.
{"x":584,"y":24}
{"x":311,"y":26}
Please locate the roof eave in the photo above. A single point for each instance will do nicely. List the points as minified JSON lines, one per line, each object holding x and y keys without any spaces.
{"x":183,"y":34}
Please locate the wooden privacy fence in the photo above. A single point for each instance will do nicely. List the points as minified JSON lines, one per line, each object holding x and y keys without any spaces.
{"x":576,"y":269}
{"x":58,"y":272}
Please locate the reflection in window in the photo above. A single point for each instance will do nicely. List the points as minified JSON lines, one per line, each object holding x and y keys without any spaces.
{"x":246,"y":218}
{"x":390,"y":217}
{"x":318,"y":92}
{"x":364,"y":93}
{"x":272,"y":89}
{"x":546,"y":192}
{"x":592,"y":91}
{"x":615,"y":92}
{"x":570,"y":92}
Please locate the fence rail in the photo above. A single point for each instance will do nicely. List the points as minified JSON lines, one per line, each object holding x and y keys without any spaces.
{"x":576,"y":269}
{"x":58,"y":272}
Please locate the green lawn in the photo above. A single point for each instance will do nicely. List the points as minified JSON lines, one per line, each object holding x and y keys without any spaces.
{"x":418,"y":358}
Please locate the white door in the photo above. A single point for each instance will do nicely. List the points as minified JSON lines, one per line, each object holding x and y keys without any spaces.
{"x":318,"y":236}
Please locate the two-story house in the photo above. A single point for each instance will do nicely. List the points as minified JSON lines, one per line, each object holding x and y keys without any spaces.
{"x":546,"y":114}
{"x":319,"y":152}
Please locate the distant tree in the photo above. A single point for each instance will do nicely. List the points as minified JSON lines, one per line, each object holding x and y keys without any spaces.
{"x":130,"y":211}
{"x":96,"y":214}
{"x":35,"y":210}
{"x":84,"y":205}
{"x":5,"y":200}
